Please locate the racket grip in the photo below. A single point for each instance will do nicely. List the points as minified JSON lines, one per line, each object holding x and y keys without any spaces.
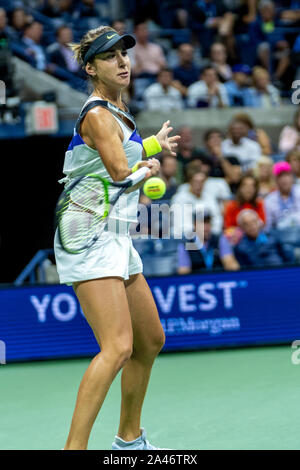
{"x":138,"y":175}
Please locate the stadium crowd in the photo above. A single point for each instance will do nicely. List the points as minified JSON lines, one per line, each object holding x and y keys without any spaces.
{"x":189,"y":53}
{"x":195,"y":54}
{"x":240,"y":206}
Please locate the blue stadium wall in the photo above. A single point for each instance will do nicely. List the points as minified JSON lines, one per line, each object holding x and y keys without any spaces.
{"x":212,"y":310}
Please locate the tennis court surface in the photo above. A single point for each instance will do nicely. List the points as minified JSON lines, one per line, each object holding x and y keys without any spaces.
{"x":219,"y":399}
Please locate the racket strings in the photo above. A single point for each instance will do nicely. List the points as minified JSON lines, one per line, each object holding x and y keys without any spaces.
{"x":82,"y":214}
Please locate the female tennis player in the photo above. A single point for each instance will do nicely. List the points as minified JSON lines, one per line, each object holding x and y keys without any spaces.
{"x":107,"y":277}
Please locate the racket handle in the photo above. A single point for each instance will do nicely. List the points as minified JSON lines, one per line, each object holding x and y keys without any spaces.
{"x":138,"y":175}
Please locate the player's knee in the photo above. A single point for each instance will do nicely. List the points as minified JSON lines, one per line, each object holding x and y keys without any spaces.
{"x":157,"y":342}
{"x":122,"y":353}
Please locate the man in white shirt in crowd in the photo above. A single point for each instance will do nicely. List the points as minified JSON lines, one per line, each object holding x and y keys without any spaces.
{"x":208,"y":92}
{"x":246,"y":150}
{"x":31,"y":39}
{"x":162,"y":95}
{"x":193,"y":199}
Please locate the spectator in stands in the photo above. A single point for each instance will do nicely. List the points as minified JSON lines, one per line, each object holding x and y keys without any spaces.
{"x":218,"y":59}
{"x":283,"y":205}
{"x":295,"y":56}
{"x":256,"y":248}
{"x":186,"y":150}
{"x":172,"y":13}
{"x":293,"y":158}
{"x":9,"y":109}
{"x":220,"y":165}
{"x":86,"y":9}
{"x":31,"y":39}
{"x":257,"y":134}
{"x":215,"y":189}
{"x":262,"y":94}
{"x":149,"y":57}
{"x":168,"y":171}
{"x":210,"y":18}
{"x":186,"y":72}
{"x":235,"y":176}
{"x":272,"y":45}
{"x":290,"y":135}
{"x":5,"y":30}
{"x":246,"y":198}
{"x":119,"y":26}
{"x":19,"y":20}
{"x":208,"y":91}
{"x":62,"y":9}
{"x":289,"y":12}
{"x":162,"y":96}
{"x":190,"y":197}
{"x":205,"y":253}
{"x":245,"y":149}
{"x":60,"y":53}
{"x":264,"y":174}
{"x":238,"y":87}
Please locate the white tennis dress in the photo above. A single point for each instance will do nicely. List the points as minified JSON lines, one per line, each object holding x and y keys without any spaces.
{"x":113,"y":253}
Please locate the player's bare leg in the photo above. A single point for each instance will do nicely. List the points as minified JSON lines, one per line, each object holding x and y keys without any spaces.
{"x":148,"y":340}
{"x":105,"y":306}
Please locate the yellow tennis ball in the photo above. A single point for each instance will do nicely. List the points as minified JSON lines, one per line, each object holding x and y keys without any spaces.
{"x":154,"y":188}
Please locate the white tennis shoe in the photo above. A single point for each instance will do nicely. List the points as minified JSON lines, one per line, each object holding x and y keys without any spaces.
{"x":141,"y":443}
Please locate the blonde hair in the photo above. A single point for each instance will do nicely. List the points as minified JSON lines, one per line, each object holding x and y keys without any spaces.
{"x":263,"y":160}
{"x":259,"y":72}
{"x":80,"y":49}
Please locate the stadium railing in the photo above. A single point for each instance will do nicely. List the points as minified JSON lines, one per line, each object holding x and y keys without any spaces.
{"x":35,"y":269}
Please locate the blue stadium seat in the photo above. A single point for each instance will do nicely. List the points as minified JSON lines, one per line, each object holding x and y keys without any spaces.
{"x":159,"y":256}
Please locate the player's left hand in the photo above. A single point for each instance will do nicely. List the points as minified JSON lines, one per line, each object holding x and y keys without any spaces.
{"x":154,"y":166}
{"x":168,"y":144}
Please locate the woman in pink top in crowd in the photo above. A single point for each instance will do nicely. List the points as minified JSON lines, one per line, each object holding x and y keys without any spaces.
{"x":290,"y":135}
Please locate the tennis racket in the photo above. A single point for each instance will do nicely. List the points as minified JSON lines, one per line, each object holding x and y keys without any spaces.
{"x":83,"y":208}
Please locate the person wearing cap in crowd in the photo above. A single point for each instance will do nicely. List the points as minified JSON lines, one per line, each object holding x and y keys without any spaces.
{"x":238,"y":87}
{"x":203,"y":252}
{"x":255,"y":247}
{"x":283,"y":205}
{"x":107,"y":277}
